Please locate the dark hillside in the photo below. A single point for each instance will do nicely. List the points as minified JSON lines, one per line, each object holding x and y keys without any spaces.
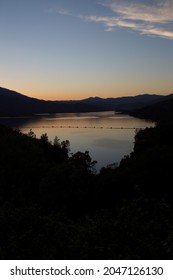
{"x":16,"y":104}
{"x":124,"y":103}
{"x":161,"y":111}
{"x":53,"y":206}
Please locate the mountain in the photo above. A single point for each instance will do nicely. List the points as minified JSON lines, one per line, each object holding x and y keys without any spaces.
{"x":13,"y":103}
{"x":160,"y":111}
{"x":124,"y":103}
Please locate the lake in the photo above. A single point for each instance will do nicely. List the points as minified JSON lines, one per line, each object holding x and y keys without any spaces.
{"x":108,"y":136}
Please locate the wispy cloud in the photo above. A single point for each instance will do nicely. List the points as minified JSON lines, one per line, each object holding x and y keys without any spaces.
{"x":65,"y":12}
{"x":155,"y":18}
{"x":157,"y":11}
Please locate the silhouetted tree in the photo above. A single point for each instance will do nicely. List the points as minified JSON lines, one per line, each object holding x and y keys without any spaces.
{"x":44,"y":138}
{"x":31,"y":134}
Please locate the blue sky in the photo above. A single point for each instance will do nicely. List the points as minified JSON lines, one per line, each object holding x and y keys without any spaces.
{"x":73,"y":49}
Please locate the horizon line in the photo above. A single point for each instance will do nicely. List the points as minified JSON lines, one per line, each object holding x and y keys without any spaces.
{"x":89,"y":97}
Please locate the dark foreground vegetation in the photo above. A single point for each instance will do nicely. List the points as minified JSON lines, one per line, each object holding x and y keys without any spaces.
{"x":54,"y":206}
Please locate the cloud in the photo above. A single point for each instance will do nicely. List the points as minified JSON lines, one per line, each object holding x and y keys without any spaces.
{"x":64,"y":12}
{"x":150,"y":19}
{"x":154,"y":18}
{"x":162,"y":11}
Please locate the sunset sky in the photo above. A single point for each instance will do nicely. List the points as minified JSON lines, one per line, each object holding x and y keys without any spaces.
{"x":73,"y":49}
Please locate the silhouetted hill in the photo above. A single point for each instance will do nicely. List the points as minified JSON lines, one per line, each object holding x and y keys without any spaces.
{"x":53,"y":207}
{"x":124,"y":103}
{"x":160,"y":111}
{"x":15,"y":104}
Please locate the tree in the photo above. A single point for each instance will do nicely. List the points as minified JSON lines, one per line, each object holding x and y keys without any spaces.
{"x":56,"y":141}
{"x":84,"y":160}
{"x":44,"y":138}
{"x":65,"y":145}
{"x":31,"y":133}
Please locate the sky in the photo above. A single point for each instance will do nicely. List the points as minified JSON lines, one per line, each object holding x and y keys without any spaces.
{"x":74,"y":49}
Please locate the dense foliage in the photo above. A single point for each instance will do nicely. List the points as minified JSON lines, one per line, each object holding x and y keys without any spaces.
{"x":54,"y":206}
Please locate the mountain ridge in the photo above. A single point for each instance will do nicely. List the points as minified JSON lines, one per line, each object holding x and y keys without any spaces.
{"x":161,"y":111}
{"x":13,"y":103}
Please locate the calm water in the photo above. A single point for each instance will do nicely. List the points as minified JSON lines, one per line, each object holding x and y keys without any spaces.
{"x":108,"y":136}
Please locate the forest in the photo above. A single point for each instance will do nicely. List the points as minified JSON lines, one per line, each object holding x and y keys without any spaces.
{"x":53,"y":205}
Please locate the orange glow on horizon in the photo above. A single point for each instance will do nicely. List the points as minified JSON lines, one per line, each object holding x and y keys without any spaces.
{"x":73,"y":96}
{"x":79,"y":94}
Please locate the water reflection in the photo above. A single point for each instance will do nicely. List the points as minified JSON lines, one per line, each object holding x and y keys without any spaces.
{"x":108,"y":136}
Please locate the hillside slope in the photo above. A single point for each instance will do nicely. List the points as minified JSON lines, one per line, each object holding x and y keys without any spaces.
{"x":161,"y":111}
{"x":15,"y":104}
{"x":124,"y":103}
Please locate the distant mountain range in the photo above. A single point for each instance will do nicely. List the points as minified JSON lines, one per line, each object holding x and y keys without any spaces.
{"x":16,"y":104}
{"x":124,"y":103}
{"x":160,"y":111}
